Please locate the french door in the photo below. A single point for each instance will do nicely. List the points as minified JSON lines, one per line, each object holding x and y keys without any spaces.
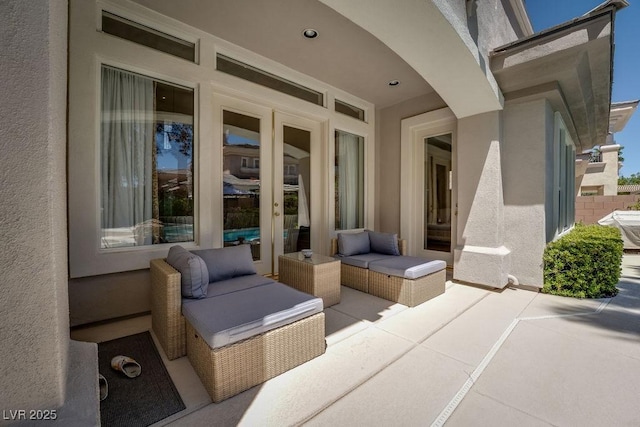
{"x":437,"y":213}
{"x":429,"y":194}
{"x":272,"y":180}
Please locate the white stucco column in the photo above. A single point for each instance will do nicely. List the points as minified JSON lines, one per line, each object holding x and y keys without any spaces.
{"x":34,"y":320}
{"x":40,"y":367}
{"x":480,"y":256}
{"x":610,"y":173}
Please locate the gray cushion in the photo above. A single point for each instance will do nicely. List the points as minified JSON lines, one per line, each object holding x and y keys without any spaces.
{"x":232,"y":317}
{"x":353,"y":243}
{"x":384,"y":243}
{"x":409,"y":267}
{"x":237,"y":284}
{"x":227,"y":263}
{"x":362,"y":260}
{"x":194,"y":276}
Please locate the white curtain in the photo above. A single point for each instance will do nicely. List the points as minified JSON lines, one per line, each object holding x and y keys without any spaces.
{"x":350,"y":151}
{"x":303,"y":205}
{"x":127,"y":141}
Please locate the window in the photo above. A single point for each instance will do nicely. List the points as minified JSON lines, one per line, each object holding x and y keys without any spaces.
{"x":255,"y":75}
{"x":564,"y":178}
{"x":349,"y":181}
{"x":349,"y":110}
{"x":256,"y":163}
{"x":146,"y":161}
{"x":244,"y":162}
{"x":137,"y":33}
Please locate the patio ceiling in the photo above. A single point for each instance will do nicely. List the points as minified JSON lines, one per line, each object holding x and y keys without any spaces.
{"x":343,"y":55}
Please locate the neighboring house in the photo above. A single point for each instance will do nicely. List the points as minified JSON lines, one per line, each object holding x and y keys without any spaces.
{"x":450,"y":123}
{"x":597,"y":170}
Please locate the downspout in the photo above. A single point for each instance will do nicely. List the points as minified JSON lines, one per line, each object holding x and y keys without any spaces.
{"x":512,"y":280}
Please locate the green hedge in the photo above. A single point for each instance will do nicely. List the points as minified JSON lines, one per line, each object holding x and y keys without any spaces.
{"x":584,"y":263}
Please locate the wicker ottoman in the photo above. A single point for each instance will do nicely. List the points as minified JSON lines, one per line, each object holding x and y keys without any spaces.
{"x":230,"y":370}
{"x":407,"y":280}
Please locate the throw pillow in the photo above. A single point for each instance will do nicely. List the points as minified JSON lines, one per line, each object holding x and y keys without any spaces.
{"x":384,"y":243}
{"x":194,"y":276}
{"x":227,"y":263}
{"x":353,"y":243}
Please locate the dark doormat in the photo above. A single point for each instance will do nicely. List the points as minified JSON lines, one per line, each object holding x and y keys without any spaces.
{"x":139,"y":401}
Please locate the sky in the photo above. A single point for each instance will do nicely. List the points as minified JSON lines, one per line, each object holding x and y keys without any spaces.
{"x":626,"y":61}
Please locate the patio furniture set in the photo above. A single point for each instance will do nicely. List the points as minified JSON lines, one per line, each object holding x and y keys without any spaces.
{"x":240,"y":329}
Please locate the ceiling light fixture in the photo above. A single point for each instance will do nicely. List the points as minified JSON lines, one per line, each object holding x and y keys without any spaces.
{"x":394,"y":82}
{"x":310,"y":33}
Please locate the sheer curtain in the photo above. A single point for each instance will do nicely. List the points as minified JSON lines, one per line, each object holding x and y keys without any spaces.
{"x":127,"y":143}
{"x":350,"y":185}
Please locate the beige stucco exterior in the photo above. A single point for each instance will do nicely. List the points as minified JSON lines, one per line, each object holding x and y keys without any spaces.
{"x":597,"y":173}
{"x":601,"y":177}
{"x":39,"y":362}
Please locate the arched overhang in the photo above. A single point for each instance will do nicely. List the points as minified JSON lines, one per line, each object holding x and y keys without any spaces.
{"x":433,"y":39}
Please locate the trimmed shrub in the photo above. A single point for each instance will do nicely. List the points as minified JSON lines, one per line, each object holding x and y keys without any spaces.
{"x":584,"y":263}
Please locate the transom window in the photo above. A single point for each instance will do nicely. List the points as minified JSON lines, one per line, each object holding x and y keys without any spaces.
{"x":141,"y":34}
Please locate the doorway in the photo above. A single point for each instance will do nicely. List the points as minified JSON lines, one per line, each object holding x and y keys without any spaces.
{"x":428,"y":181}
{"x":271,"y":181}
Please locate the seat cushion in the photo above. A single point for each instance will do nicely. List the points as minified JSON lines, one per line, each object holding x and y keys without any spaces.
{"x":409,"y":267}
{"x":194,"y":275}
{"x":227,"y":263}
{"x":353,"y":243}
{"x":237,"y":284}
{"x":235,"y":316}
{"x":362,"y":260}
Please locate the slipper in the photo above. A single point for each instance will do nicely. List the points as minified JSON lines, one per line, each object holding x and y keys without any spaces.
{"x":126,"y":365}
{"x":104,"y":387}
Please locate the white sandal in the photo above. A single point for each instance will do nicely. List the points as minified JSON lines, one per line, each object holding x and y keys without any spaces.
{"x":104,"y":387}
{"x":126,"y":365}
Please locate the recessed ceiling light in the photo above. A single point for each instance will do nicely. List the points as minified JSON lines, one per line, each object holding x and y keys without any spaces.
{"x":394,"y":82}
{"x":310,"y":33}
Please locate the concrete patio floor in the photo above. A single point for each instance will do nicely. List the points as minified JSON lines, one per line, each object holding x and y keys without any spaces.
{"x":469,"y":357}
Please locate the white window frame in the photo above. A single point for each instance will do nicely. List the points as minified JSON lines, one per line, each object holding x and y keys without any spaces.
{"x":364,"y":184}
{"x":95,"y":48}
{"x":564,"y":154}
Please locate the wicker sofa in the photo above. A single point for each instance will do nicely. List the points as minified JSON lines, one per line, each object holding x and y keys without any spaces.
{"x":230,"y":336}
{"x":377,"y":263}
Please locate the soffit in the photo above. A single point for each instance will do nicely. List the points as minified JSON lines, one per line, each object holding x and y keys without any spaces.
{"x":578,"y":57}
{"x":344,"y":55}
{"x":621,"y":112}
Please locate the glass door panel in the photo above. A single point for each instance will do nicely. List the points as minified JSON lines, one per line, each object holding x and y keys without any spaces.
{"x":297,"y":207}
{"x":437,"y":193}
{"x":241,"y":152}
{"x":296,"y":189}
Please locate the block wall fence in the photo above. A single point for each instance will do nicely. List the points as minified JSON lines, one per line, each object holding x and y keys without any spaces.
{"x":589,"y":209}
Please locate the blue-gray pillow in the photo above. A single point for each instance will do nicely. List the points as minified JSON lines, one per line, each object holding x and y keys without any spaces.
{"x":227,"y":263}
{"x":353,"y":243}
{"x":194,"y":276}
{"x":384,"y":243}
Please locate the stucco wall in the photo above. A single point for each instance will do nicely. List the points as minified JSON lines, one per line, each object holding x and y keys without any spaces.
{"x":605,"y":173}
{"x":480,"y":255}
{"x":34,"y":325}
{"x":524,"y":181}
{"x":109,"y":296}
{"x":388,"y":133}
